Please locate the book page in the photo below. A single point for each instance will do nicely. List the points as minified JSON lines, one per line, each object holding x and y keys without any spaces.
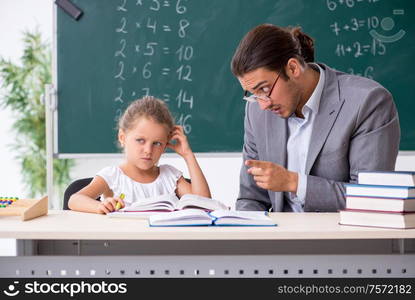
{"x":238,"y":214}
{"x":242,"y":218}
{"x":181,"y":217}
{"x":162,"y":202}
{"x":135,"y":214}
{"x":196,"y":201}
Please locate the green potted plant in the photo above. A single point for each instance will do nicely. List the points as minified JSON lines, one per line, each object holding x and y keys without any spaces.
{"x":22,"y":87}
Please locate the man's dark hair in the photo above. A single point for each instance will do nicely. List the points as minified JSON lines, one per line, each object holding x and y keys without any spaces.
{"x":271,"y":47}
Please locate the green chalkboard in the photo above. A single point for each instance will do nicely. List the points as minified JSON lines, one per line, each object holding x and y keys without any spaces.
{"x":180,"y":51}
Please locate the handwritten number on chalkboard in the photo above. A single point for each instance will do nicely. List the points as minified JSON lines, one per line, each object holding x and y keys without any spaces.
{"x":358,"y":49}
{"x":123,"y":24}
{"x":368,"y":72}
{"x":183,"y":122}
{"x":150,"y":48}
{"x":122,"y":6}
{"x":146,"y":71}
{"x":372,"y":22}
{"x":151,"y":26}
{"x":335,"y":28}
{"x":139,"y":2}
{"x":121,"y":51}
{"x":119,"y":97}
{"x":157,"y":5}
{"x":180,"y":9}
{"x":331,"y":5}
{"x":183,"y":24}
{"x":118,"y":114}
{"x":184,"y":72}
{"x":355,"y":24}
{"x":188,"y":100}
{"x":378,"y":48}
{"x":185,"y":52}
{"x":120,"y":74}
{"x":350,"y":3}
{"x":340,"y":50}
{"x":146,"y":91}
{"x":182,"y":98}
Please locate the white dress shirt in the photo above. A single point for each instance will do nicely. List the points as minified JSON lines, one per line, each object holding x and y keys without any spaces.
{"x":299,"y":135}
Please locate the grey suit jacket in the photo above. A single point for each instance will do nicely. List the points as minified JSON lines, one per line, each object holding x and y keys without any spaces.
{"x":356,"y":129}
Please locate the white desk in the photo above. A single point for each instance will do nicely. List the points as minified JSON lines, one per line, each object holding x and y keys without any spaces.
{"x":63,"y":225}
{"x":303,"y":244}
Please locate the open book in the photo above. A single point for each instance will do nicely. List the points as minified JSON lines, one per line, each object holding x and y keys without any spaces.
{"x":167,"y":203}
{"x":197,"y":217}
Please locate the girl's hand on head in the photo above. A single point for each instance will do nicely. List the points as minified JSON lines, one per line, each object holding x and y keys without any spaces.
{"x":181,"y":146}
{"x":109,"y":204}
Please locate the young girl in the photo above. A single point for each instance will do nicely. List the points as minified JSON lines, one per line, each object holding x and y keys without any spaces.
{"x":144,"y":132}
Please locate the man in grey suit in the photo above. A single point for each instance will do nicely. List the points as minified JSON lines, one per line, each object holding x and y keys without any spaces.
{"x":309,"y":129}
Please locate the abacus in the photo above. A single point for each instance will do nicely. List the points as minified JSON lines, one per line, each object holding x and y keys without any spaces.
{"x":25,"y":208}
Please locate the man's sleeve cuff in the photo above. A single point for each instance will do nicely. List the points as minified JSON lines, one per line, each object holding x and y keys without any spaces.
{"x":299,"y":197}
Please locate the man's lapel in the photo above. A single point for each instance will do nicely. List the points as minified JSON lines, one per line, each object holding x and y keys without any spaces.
{"x":276,"y":150}
{"x":330,"y":106}
{"x":276,"y":138}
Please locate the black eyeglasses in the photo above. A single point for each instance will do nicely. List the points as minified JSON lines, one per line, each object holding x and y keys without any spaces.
{"x":255,"y":98}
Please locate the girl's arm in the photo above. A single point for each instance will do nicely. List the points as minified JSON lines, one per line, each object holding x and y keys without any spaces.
{"x":85,"y":199}
{"x":198,"y":185}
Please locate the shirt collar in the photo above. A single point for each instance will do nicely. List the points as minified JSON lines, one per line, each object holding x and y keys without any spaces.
{"x":313,"y":102}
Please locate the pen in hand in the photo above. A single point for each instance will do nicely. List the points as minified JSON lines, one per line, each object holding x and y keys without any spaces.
{"x":118,"y":205}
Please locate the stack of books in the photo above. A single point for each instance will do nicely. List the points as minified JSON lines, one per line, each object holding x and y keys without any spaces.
{"x":381,"y":199}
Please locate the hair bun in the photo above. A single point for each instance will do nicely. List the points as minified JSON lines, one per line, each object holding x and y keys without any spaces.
{"x":306,"y":44}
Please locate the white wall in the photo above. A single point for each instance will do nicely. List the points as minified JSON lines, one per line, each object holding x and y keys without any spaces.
{"x":17,"y":15}
{"x":405,"y":161}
